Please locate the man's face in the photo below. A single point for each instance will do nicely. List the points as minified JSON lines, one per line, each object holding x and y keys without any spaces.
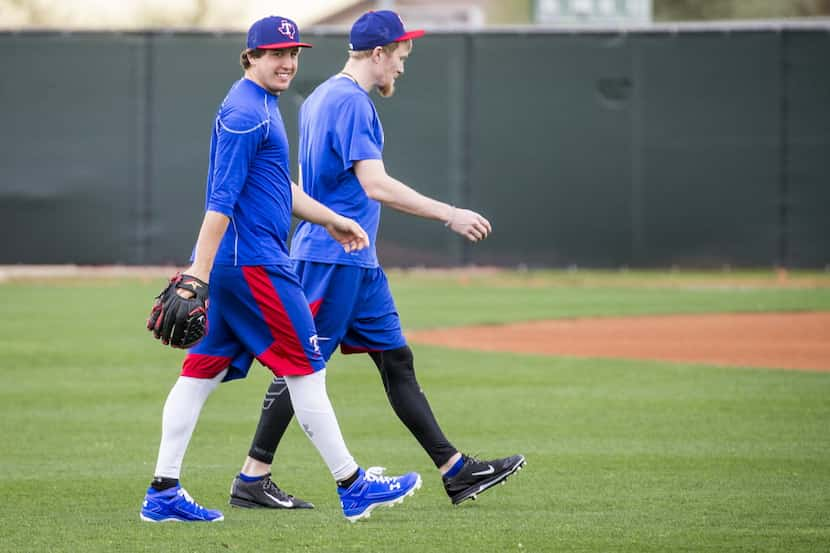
{"x":391,"y":66}
{"x":275,"y":70}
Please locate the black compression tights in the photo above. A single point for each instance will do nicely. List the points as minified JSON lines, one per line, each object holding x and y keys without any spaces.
{"x":408,"y":400}
{"x":274,"y":419}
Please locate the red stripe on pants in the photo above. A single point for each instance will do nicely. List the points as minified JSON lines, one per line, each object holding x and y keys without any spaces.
{"x":199,"y":365}
{"x":285,"y":356}
{"x":315,"y":307}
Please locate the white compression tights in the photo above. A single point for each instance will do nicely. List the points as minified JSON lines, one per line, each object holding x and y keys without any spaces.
{"x":316,"y":417}
{"x":181,"y":411}
{"x":311,"y":406}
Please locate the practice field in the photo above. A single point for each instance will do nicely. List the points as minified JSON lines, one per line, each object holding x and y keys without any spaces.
{"x":623,"y":454}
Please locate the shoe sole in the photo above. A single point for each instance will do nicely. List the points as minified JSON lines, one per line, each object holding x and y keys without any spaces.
{"x":248,"y":504}
{"x":245,"y":504}
{"x":368,"y":512}
{"x":173,"y":519}
{"x":501,"y":478}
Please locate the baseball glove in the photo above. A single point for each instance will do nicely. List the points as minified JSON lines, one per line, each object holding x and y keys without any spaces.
{"x":177,"y":321}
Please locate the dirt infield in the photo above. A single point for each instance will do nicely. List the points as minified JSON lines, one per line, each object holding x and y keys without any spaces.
{"x":770,"y":340}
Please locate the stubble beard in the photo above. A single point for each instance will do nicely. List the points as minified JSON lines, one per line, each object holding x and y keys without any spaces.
{"x":386,"y":91}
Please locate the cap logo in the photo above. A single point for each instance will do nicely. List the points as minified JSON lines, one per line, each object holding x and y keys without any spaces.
{"x":287,"y":29}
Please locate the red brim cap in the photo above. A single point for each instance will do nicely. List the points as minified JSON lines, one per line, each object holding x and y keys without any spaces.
{"x":409,"y":35}
{"x":281,"y":45}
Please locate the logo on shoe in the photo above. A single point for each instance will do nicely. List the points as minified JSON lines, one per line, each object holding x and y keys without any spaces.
{"x":395,"y":486}
{"x":287,"y":504}
{"x":490,"y":470}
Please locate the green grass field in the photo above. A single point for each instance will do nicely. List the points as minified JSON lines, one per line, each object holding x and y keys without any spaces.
{"x":622,"y":455}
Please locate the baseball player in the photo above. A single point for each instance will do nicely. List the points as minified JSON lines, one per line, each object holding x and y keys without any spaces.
{"x":341,"y":165}
{"x":257,"y":308}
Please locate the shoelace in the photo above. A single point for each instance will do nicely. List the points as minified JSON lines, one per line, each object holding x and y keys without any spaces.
{"x":375,"y":474}
{"x":270,"y":486}
{"x":186,"y":496}
{"x":472,"y":459}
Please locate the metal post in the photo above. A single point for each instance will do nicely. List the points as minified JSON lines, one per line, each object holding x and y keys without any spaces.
{"x":468,"y":111}
{"x":638,"y":235}
{"x":141,"y":146}
{"x":783,"y":261}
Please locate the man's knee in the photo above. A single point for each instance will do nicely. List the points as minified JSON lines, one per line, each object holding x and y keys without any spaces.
{"x":277,"y":388}
{"x":400,"y":359}
{"x":394,"y":361}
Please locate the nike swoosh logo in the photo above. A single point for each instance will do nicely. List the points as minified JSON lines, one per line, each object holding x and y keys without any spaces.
{"x":490,"y":470}
{"x":287,"y":504}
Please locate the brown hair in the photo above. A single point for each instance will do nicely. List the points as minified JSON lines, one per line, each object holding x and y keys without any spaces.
{"x":252,"y":52}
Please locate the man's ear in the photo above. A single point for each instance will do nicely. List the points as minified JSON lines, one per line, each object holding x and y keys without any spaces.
{"x":378,"y":50}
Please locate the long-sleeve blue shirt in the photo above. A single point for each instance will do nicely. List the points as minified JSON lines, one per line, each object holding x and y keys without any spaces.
{"x":249,"y":179}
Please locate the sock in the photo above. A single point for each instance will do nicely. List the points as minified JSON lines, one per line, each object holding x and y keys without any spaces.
{"x":347,"y":483}
{"x":160,"y":483}
{"x":181,"y":411}
{"x":316,"y":417}
{"x":246,"y":478}
{"x":455,"y":468}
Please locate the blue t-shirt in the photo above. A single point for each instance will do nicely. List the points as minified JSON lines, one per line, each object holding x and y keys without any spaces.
{"x":248,"y":177}
{"x":338,"y":126}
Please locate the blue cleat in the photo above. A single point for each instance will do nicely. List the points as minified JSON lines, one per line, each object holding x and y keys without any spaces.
{"x":373,"y":489}
{"x":175,"y":505}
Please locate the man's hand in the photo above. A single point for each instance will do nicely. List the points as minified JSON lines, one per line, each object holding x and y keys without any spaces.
{"x":348,"y":233}
{"x":179,"y":314}
{"x":469,"y":224}
{"x":194,"y":271}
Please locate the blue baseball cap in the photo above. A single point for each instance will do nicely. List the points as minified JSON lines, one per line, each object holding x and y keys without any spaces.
{"x":379,"y":28}
{"x":273,"y":33}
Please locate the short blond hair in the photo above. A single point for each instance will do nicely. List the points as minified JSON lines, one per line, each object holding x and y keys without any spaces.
{"x":387,"y":48}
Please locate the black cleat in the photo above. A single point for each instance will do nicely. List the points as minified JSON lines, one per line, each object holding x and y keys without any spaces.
{"x":263,"y":494}
{"x":477,"y":476}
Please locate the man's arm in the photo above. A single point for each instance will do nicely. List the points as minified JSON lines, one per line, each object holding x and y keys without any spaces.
{"x":213,"y":229}
{"x":348,"y":233}
{"x":237,"y":143}
{"x":393,"y":193}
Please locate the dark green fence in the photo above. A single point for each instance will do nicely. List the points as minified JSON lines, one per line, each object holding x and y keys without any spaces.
{"x":651,"y":148}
